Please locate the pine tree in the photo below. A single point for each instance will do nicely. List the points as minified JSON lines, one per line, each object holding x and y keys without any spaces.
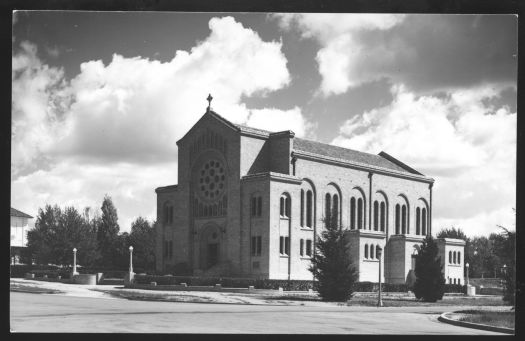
{"x":331,"y":264}
{"x":430,"y":281}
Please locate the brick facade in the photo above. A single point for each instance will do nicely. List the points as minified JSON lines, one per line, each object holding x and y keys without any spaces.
{"x":250,"y":203}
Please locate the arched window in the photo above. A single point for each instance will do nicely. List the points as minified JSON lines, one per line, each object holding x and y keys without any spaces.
{"x":376,"y":215}
{"x":302,"y":207}
{"x":383,"y":216}
{"x":328,"y":206}
{"x":398,"y":218}
{"x":335,"y":209}
{"x":459,"y":257}
{"x":366,"y":251}
{"x":352,"y":213}
{"x":404,"y":219}
{"x":254,"y":206}
{"x":372,"y":251}
{"x":450,"y":257}
{"x":285,"y":204}
{"x":377,"y":252}
{"x":418,"y":221}
{"x":424,"y":220}
{"x":309,"y":208}
{"x":454,"y":258}
{"x":359,"y":213}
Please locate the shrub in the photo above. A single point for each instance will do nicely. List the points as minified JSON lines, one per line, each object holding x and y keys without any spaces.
{"x":455,"y":288}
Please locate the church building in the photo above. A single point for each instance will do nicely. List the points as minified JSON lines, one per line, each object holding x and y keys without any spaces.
{"x":250,"y":203}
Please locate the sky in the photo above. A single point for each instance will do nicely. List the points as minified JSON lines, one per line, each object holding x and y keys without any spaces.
{"x":99,"y":100}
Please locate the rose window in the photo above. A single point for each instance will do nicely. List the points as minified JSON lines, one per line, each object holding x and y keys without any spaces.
{"x":211,"y":180}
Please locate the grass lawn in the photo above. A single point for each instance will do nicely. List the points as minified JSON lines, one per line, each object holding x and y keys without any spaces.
{"x":402,"y":302}
{"x":493,"y":318}
{"x":32,"y":289}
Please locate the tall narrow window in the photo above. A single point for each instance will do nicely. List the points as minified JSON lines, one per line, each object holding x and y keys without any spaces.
{"x":328,"y":206}
{"x":366,"y":251}
{"x":286,"y":245}
{"x":359,"y":213}
{"x":376,"y":215}
{"x":372,"y":251}
{"x":424,"y":219}
{"x":404,"y":219}
{"x":259,"y":206}
{"x":377,"y":252}
{"x":450,"y":257}
{"x":459,"y":257}
{"x":454,"y":257}
{"x":383,"y":216}
{"x":254,"y":246}
{"x":254,"y":206}
{"x":281,"y":210}
{"x":281,"y":245}
{"x":288,"y":207}
{"x":335,"y":209}
{"x":418,"y":221}
{"x":398,"y":219}
{"x":309,"y":209}
{"x":309,"y":247}
{"x":352,"y":213}
{"x":301,"y":247}
{"x":302,"y":207}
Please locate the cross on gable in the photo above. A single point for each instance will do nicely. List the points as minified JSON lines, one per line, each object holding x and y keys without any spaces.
{"x":209,"y":101}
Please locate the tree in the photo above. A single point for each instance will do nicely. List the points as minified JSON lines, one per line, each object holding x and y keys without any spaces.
{"x":55,"y":235}
{"x":430,"y":282}
{"x":452,"y":233}
{"x":107,"y":233}
{"x":506,"y":248}
{"x":142,"y":237}
{"x":331,"y":264}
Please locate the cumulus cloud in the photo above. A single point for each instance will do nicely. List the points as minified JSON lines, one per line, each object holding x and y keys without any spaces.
{"x":84,"y":185}
{"x":341,"y":52}
{"x":132,"y":111}
{"x":467,"y":144}
{"x":272,"y":119}
{"x":424,"y":52}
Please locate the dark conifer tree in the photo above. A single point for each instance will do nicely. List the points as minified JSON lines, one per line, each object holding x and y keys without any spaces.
{"x":430,"y":281}
{"x":331,"y":264}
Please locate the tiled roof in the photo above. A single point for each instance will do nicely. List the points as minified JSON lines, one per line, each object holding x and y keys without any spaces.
{"x":17,"y":213}
{"x":382,"y":159}
{"x":345,"y":154}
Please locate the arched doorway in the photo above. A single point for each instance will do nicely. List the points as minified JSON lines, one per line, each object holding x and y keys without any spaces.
{"x":210,"y":247}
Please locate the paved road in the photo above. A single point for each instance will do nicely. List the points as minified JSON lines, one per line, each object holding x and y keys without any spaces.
{"x":56,"y":313}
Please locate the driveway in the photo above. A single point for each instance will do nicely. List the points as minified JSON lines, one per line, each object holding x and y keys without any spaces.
{"x":58,"y":313}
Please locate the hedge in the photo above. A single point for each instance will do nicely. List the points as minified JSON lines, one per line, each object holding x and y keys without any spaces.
{"x":456,"y":288}
{"x":20,"y":270}
{"x":288,"y":285}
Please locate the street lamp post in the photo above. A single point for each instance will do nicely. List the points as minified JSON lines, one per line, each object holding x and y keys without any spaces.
{"x":130,"y":260}
{"x":379,"y":251}
{"x":75,"y":261}
{"x":467,"y":265}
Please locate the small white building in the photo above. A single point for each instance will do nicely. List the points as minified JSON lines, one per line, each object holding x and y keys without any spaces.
{"x":19,"y":228}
